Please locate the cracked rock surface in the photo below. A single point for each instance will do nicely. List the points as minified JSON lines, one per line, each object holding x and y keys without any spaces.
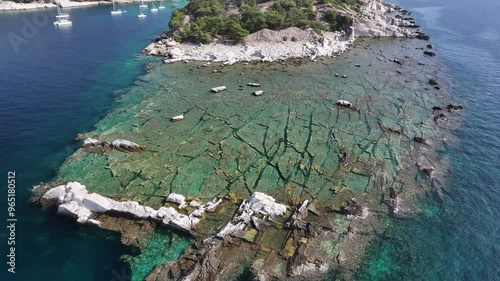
{"x":293,"y":144}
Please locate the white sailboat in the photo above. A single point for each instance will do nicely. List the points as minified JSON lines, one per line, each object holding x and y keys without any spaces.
{"x":62,"y":18}
{"x":142,"y":5}
{"x":141,"y":14}
{"x":116,"y":11}
{"x":154,"y":9}
{"x":161,"y":6}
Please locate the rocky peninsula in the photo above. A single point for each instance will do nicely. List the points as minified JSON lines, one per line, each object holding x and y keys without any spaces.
{"x":372,"y":18}
{"x":275,"y":171}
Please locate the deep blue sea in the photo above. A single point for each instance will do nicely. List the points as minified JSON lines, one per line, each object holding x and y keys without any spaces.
{"x":458,"y":237}
{"x":55,"y":83}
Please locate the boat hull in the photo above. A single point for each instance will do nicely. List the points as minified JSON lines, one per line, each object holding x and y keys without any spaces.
{"x":57,"y":23}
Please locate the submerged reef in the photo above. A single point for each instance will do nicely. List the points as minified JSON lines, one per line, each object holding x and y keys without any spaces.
{"x":285,"y":185}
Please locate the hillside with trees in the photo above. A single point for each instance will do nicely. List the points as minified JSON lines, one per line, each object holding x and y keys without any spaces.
{"x":202,"y":20}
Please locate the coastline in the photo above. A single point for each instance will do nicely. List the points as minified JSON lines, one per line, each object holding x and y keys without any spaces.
{"x":366,"y":174}
{"x":243,"y":233}
{"x":376,"y":19}
{"x":12,"y":6}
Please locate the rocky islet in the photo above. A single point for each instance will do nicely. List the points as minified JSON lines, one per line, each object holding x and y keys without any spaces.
{"x":293,"y":148}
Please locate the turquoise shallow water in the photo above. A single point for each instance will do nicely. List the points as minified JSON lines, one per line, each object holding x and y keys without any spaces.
{"x":458,"y":237}
{"x":59,"y":83}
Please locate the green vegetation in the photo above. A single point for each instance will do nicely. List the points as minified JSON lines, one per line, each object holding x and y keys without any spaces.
{"x":234,"y":20}
{"x":338,"y":22}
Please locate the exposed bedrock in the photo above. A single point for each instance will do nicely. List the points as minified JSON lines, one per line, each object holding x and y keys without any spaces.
{"x":75,"y":201}
{"x":376,"y":19}
{"x":261,"y":237}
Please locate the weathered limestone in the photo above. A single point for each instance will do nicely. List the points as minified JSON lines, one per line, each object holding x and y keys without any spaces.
{"x":99,"y":145}
{"x":219,"y":89}
{"x":377,"y":21}
{"x":262,"y":204}
{"x":74,"y":200}
{"x":91,"y":142}
{"x":125,"y":145}
{"x":344,"y":103}
{"x":178,"y":199}
{"x":177,"y":118}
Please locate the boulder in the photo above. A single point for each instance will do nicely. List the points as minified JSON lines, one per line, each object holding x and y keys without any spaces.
{"x":433,"y":82}
{"x":429,"y":53}
{"x":91,"y":142}
{"x":420,"y":140}
{"x":54,"y":196}
{"x":263,"y":204}
{"x":177,"y":199}
{"x":177,"y":118}
{"x":454,"y":107}
{"x":422,"y":36}
{"x":344,"y":103}
{"x":428,"y":172}
{"x":219,"y":89}
{"x":397,"y":61}
{"x":125,"y":145}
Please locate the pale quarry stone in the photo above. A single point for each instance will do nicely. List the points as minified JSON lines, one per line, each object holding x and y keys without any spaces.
{"x":177,"y":199}
{"x":218,"y":89}
{"x":177,"y":118}
{"x":56,"y":194}
{"x":97,"y":203}
{"x":263,"y":204}
{"x":344,"y":103}
{"x":125,"y":144}
{"x":75,"y":201}
{"x":90,"y":142}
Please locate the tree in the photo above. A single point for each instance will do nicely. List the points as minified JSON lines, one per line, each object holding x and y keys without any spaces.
{"x":236,"y":31}
{"x":274,"y":19}
{"x":252,"y":18}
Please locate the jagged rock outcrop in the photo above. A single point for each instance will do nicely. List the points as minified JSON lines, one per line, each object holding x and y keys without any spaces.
{"x":125,"y":145}
{"x":75,"y":201}
{"x":92,"y":144}
{"x":377,"y":20}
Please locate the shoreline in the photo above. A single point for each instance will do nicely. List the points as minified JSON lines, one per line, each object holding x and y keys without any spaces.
{"x":6,"y":6}
{"x":377,"y":19}
{"x":342,"y":229}
{"x":244,"y":229}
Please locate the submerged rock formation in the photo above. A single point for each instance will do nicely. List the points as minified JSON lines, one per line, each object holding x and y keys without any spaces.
{"x":295,"y":252}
